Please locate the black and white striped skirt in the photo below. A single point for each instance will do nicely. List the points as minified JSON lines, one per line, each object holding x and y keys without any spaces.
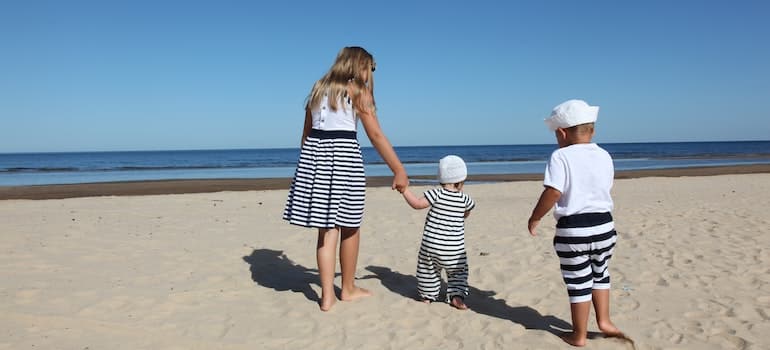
{"x":329,"y":184}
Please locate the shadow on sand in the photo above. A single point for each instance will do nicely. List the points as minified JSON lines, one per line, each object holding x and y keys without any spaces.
{"x":273,"y":269}
{"x":480,"y":301}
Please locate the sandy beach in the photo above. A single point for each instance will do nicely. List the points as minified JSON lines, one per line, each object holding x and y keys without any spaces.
{"x":143,"y":266}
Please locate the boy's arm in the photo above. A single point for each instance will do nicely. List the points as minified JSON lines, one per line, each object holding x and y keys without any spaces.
{"x":414,"y":202}
{"x":547,"y":200}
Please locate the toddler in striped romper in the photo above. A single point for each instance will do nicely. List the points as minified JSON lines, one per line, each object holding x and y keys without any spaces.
{"x":578,"y":179}
{"x":443,"y":238}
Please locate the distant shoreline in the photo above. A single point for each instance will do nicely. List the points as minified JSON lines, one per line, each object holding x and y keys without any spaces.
{"x":159,"y":187}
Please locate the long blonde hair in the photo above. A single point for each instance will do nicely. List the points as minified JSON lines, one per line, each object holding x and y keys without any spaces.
{"x":343,"y":77}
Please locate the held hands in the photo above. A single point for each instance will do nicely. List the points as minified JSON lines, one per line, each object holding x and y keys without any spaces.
{"x":400,"y":182}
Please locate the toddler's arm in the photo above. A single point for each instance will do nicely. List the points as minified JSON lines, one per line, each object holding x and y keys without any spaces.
{"x":414,"y":202}
{"x":469,"y":205}
{"x":547,"y":200}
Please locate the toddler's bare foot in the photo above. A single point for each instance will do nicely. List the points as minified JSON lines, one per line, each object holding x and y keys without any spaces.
{"x":458,"y":303}
{"x":327,"y":302}
{"x":426,"y":301}
{"x":573,"y":339}
{"x":355,"y":293}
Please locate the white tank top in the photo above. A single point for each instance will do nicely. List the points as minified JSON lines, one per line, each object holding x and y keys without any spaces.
{"x":344,"y":118}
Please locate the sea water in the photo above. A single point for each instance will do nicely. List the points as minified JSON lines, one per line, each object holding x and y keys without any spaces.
{"x":85,"y":167}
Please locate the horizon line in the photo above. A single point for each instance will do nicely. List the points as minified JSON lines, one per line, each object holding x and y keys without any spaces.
{"x":362,"y":146}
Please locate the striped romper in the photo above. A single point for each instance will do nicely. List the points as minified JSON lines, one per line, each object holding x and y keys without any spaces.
{"x":443,"y":245}
{"x":585,"y":232}
{"x":329,"y":183}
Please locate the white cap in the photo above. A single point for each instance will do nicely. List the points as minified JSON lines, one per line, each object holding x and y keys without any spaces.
{"x":451,"y":170}
{"x":571,"y":113}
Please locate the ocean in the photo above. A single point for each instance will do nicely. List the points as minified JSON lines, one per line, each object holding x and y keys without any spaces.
{"x":85,"y":167}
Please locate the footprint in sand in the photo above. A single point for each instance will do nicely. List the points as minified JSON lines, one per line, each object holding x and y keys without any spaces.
{"x":628,"y":305}
{"x":692,"y":326}
{"x":666,"y":333}
{"x":728,"y":341}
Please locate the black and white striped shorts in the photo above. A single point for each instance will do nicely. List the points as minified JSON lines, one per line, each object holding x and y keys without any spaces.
{"x":329,"y":184}
{"x":584,"y":244}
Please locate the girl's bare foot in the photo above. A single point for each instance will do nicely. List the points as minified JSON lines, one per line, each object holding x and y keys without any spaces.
{"x":458,"y":303}
{"x":426,"y":301}
{"x":573,"y":339}
{"x":355,"y":293}
{"x":327,"y":303}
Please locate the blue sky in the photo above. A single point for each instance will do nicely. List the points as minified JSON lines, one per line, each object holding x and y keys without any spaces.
{"x":152,"y":75}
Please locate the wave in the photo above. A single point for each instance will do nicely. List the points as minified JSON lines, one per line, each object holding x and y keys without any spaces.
{"x":377,"y":162}
{"x":37,"y":170}
{"x":131,"y":168}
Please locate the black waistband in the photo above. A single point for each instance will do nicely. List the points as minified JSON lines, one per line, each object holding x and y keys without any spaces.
{"x":584,"y":220}
{"x":332,"y":134}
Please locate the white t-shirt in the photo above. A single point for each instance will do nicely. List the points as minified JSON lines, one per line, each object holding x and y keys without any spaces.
{"x":344,"y":118}
{"x":583,"y":173}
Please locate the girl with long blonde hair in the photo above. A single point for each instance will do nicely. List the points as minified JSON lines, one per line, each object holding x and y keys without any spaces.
{"x":329,"y":184}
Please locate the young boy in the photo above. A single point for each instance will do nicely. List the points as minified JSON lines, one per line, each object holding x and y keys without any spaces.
{"x":578,"y":179}
{"x":443,"y":238}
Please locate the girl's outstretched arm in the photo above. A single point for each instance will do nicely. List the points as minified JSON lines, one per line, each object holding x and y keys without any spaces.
{"x":380,"y":141}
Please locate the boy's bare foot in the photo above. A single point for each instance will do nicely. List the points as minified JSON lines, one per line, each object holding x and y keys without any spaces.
{"x":327,"y":303}
{"x":573,"y":339}
{"x":356,"y":293}
{"x":458,"y":303}
{"x":609,"y":329}
{"x":426,"y":301}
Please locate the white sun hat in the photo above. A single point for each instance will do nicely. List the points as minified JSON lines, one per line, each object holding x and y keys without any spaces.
{"x":571,"y":113}
{"x":451,"y":170}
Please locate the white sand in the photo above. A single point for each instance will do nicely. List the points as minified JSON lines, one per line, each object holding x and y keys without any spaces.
{"x":223,"y":271}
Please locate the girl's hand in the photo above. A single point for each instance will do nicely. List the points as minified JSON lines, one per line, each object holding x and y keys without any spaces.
{"x":400,"y":181}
